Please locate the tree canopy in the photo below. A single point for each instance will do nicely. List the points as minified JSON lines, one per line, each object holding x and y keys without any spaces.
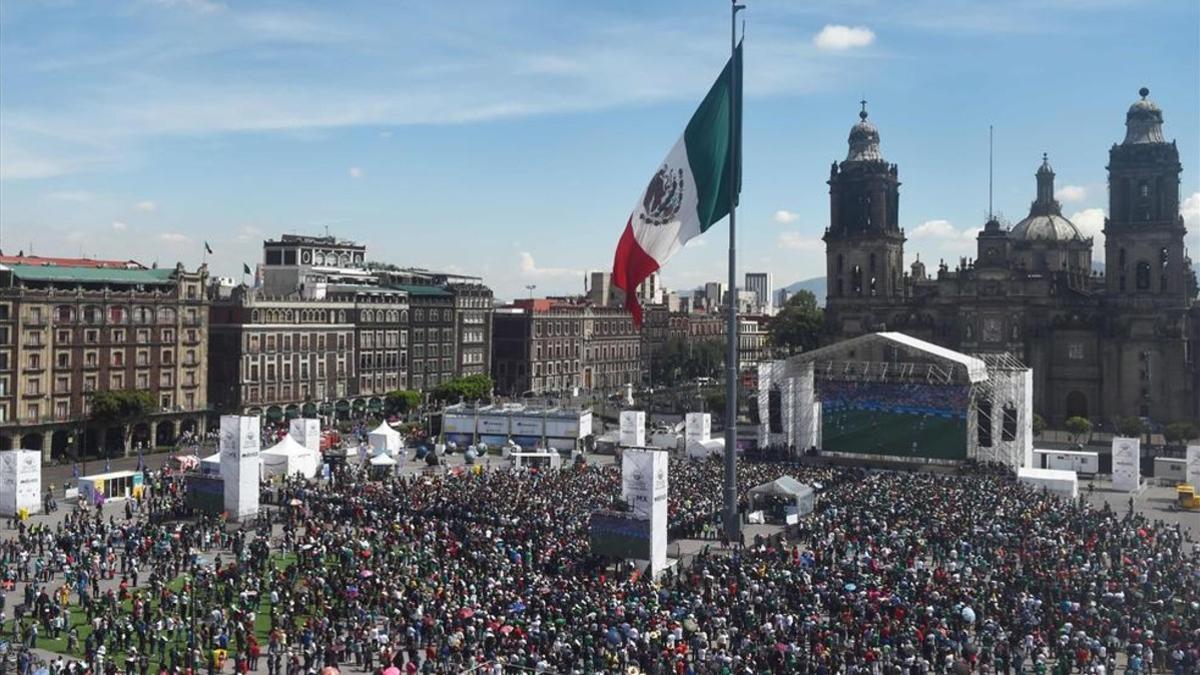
{"x":681,"y":360}
{"x":121,"y":406}
{"x":798,"y":327}
{"x":1078,"y":427}
{"x":468,"y":388}
{"x":401,"y":401}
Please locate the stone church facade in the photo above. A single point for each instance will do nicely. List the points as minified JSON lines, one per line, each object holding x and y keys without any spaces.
{"x":1102,"y":346}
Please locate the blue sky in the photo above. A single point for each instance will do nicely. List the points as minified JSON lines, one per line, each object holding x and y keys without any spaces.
{"x":510,"y":139}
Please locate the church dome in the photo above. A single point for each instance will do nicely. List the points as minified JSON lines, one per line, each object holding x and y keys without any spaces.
{"x":1045,"y":221}
{"x":1143,"y":122}
{"x":1051,"y":227}
{"x":864,"y":140}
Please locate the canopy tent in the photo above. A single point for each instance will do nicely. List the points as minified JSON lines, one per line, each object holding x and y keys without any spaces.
{"x":288,"y":458}
{"x":798,"y":496}
{"x":211,"y":465}
{"x":382,"y":460}
{"x":703,"y":449}
{"x":385,"y":439}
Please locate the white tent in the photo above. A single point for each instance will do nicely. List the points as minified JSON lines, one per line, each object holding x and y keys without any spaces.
{"x":382,"y":460}
{"x":704,"y":449}
{"x":385,"y":439}
{"x":288,"y":458}
{"x":211,"y":465}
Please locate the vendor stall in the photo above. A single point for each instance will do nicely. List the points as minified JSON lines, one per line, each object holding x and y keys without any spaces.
{"x":102,"y":487}
{"x":289,"y":458}
{"x":783,"y":500}
{"x":386,"y":439}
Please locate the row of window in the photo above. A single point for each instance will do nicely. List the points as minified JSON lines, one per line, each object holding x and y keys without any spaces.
{"x":141,"y":380}
{"x":420,"y":334}
{"x":61,"y":410}
{"x":113,"y":315}
{"x":273,"y":369}
{"x":256,"y":342}
{"x":116,"y":359}
{"x":292,"y":316}
{"x":383,"y":360}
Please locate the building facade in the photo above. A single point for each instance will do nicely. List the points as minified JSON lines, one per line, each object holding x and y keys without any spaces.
{"x":283,"y":356}
{"x":1101,"y":346}
{"x":72,"y":327}
{"x":563,"y":346}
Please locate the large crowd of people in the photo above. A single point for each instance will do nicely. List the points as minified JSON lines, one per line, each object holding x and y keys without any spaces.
{"x":908,"y":398}
{"x":490,"y":570}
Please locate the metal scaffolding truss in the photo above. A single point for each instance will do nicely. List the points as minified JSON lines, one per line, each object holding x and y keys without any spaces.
{"x":891,"y":371}
{"x":1001,"y":397}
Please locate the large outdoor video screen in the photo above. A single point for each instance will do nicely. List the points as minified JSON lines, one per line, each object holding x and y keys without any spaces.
{"x":894,"y":419}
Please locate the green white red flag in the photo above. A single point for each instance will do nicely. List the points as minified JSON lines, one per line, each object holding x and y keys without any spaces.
{"x":689,"y":192}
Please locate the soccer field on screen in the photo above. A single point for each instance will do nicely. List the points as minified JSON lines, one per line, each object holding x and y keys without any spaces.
{"x":894,"y":434}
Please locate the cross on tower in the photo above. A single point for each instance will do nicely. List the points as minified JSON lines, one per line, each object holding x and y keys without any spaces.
{"x":863,"y":114}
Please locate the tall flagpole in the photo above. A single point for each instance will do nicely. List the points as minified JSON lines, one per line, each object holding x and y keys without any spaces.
{"x":732,"y":520}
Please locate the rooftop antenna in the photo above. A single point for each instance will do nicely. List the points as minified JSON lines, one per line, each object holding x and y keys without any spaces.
{"x":991,"y":215}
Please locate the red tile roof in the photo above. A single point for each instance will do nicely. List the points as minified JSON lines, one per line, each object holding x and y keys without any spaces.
{"x":69,"y":262}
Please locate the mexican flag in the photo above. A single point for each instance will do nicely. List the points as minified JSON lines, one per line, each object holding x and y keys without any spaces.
{"x":688,"y":193}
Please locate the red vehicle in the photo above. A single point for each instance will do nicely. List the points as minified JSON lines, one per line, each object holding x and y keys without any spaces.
{"x":330,"y":439}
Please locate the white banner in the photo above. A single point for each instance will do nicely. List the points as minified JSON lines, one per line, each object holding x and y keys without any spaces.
{"x":1126,"y":463}
{"x":1192,"y":473}
{"x":633,"y":428}
{"x":643,"y":479}
{"x":698,"y":427}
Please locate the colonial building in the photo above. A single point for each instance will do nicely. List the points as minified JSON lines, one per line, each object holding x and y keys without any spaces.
{"x":1101,"y":346}
{"x":283,"y":356}
{"x":71,"y":327}
{"x":558,"y":345}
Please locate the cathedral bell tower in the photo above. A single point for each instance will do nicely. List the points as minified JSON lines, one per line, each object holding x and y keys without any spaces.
{"x":1144,"y":231}
{"x":864,"y":245}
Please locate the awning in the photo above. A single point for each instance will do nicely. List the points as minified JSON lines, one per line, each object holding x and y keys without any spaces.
{"x":310,"y":409}
{"x":375,"y":404}
{"x":343,"y":404}
{"x":274,"y":413}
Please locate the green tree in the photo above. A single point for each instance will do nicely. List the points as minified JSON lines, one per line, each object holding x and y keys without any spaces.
{"x":1078,"y":427}
{"x":1130,"y":426}
{"x":401,"y":401}
{"x":468,"y":388}
{"x":121,"y":407}
{"x":1039,"y":424}
{"x":798,"y":327}
{"x":680,"y":360}
{"x":1179,"y":432}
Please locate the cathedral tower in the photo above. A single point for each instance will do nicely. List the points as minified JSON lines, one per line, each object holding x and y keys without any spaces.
{"x":1143,"y":250}
{"x":864,"y":245}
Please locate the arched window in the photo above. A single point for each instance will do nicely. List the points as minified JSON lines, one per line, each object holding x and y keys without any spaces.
{"x":872,"y":263}
{"x":856,"y":280}
{"x":166,"y":316}
{"x":254,"y":316}
{"x":64,"y":314}
{"x":1143,"y":276}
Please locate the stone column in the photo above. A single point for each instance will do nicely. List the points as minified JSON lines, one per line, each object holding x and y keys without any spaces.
{"x":47,"y":439}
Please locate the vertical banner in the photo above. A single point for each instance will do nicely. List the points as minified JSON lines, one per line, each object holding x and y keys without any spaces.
{"x":240,"y":448}
{"x":1192,"y":472}
{"x":1126,"y":463}
{"x":633,"y":428}
{"x":698,"y":427}
{"x":307,"y":432}
{"x":644,"y":486}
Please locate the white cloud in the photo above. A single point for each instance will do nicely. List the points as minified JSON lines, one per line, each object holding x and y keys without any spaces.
{"x":1190,"y":210}
{"x":78,"y":196}
{"x":1090,"y":223}
{"x":529,"y":269}
{"x":799,"y":242}
{"x":173,"y":238}
{"x":936,"y":229}
{"x":119,"y":226}
{"x":1071,"y":193}
{"x":783,"y":217}
{"x":197,"y":6}
{"x":357,"y":172}
{"x":249,"y":233}
{"x":147,"y":206}
{"x":834,"y":37}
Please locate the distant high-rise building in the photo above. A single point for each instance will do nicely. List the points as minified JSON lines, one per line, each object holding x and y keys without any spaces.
{"x":600,"y":289}
{"x":760,"y":284}
{"x":650,"y":291}
{"x":714,"y":293}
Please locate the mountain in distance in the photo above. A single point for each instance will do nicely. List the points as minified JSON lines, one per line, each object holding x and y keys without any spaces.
{"x":815,"y":284}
